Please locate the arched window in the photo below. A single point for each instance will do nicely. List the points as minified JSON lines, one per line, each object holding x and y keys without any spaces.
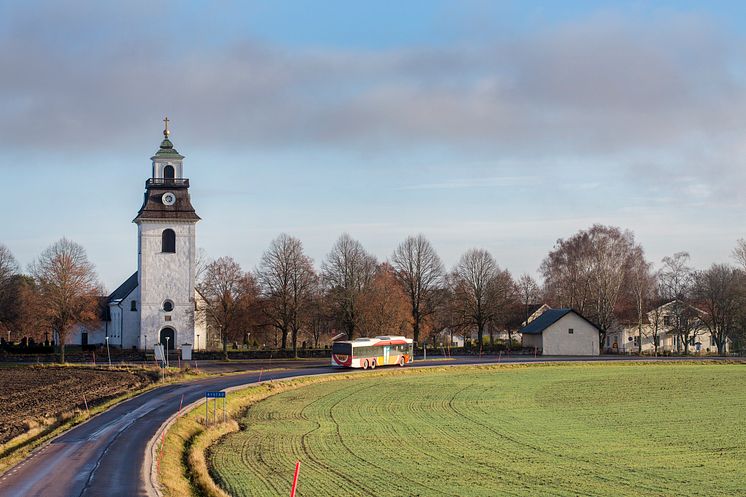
{"x":168,"y":241}
{"x":168,"y":172}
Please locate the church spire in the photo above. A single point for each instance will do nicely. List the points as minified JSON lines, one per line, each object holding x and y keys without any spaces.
{"x":167,"y":148}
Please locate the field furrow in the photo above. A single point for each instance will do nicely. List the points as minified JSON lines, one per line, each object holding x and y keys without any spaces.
{"x":620,"y":429}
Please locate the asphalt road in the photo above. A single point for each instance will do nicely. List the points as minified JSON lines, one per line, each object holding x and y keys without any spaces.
{"x":104,"y":456}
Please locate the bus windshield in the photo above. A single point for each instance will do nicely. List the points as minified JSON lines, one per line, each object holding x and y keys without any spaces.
{"x":342,"y":348}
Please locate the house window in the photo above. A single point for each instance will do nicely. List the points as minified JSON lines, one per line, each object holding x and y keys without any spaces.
{"x":133,"y":305}
{"x":712,"y":341}
{"x":657,"y":341}
{"x":168,"y":306}
{"x":666,"y":320}
{"x":570,"y":331}
{"x":168,"y":241}
{"x":608,"y":341}
{"x":168,"y":172}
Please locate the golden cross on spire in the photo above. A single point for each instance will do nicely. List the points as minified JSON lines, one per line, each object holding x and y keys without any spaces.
{"x":166,"y":132}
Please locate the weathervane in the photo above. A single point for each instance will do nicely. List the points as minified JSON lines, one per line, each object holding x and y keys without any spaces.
{"x":166,"y":132}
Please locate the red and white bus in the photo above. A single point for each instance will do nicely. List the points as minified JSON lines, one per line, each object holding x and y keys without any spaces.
{"x":371,"y":352}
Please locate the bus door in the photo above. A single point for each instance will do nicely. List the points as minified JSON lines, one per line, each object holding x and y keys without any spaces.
{"x":386,"y":352}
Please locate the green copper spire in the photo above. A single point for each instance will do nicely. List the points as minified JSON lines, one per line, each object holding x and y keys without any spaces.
{"x":167,"y":148}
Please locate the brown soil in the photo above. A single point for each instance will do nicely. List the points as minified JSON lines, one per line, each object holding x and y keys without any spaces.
{"x":34,"y":395}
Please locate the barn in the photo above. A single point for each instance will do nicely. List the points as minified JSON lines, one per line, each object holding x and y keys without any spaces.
{"x":561,"y":332}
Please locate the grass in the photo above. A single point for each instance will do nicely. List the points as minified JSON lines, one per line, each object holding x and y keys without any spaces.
{"x":594,"y":429}
{"x":180,"y":458}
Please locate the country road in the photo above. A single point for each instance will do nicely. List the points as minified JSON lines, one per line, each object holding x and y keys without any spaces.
{"x":104,"y":456}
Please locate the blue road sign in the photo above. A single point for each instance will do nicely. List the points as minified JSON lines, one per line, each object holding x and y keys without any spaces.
{"x":215,"y":395}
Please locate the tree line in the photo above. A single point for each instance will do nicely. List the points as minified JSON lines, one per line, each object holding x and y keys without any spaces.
{"x":286,"y":302}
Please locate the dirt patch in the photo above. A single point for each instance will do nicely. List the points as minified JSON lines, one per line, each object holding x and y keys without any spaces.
{"x":34,"y":396}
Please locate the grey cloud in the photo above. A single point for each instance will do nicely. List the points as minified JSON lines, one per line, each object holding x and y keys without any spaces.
{"x":604,"y":86}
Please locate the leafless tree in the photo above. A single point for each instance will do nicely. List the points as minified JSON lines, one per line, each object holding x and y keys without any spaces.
{"x":656,"y":314}
{"x":473,"y":285}
{"x":346,"y":272}
{"x":384,"y":308}
{"x":719,"y":290}
{"x":641,"y":287}
{"x":588,"y":272}
{"x":320,"y":316}
{"x":288,"y":280}
{"x":200,"y":263}
{"x":420,"y":272}
{"x":68,"y":289}
{"x":676,"y":283}
{"x":8,"y":272}
{"x":528,"y":293}
{"x":739,"y":253}
{"x":228,"y":292}
{"x":502,"y":298}
{"x":447,"y":317}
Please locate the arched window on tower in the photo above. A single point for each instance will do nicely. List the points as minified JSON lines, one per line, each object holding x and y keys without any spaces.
{"x":168,"y":241}
{"x":168,"y":172}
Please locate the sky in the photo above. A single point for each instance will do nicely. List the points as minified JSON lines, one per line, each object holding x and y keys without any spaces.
{"x":499,"y":125}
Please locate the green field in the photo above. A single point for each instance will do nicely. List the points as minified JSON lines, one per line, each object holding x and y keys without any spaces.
{"x":655,"y":429}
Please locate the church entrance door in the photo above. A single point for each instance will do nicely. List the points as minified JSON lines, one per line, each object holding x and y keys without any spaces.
{"x":171,"y":335}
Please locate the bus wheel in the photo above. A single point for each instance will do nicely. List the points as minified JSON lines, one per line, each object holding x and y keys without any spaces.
{"x":373,"y":364}
{"x":365,"y":364}
{"x":401,"y":361}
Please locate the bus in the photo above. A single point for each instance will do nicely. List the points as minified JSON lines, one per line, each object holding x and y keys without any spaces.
{"x":371,"y":352}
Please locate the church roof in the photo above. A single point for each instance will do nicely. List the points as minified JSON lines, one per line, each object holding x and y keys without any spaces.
{"x":167,"y":150}
{"x":124,"y":289}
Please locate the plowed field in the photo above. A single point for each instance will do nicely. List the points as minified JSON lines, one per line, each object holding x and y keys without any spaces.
{"x":658,"y":429}
{"x":29,"y":394}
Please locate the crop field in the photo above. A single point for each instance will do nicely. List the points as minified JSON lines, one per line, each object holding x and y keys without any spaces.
{"x":602,"y":429}
{"x":31,"y":396}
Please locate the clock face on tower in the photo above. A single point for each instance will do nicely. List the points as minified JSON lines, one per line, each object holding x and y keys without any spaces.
{"x":168,"y":198}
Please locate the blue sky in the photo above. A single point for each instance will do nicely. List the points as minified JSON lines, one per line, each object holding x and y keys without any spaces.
{"x":502,"y":125}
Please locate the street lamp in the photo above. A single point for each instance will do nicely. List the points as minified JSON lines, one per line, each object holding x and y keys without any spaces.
{"x":107,"y":350}
{"x":197,"y":347}
{"x":167,"y":339}
{"x":146,"y":342}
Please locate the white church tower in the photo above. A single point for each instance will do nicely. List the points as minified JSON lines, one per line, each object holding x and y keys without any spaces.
{"x":166,"y":253}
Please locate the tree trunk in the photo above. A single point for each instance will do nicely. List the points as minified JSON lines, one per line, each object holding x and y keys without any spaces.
{"x":480,"y":334}
{"x":225,"y":345}
{"x":639,"y":340}
{"x":62,"y":352}
{"x":284,"y":339}
{"x":295,"y":342}
{"x":416,"y":328}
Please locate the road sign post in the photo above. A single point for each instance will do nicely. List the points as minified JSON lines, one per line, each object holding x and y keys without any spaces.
{"x":215,"y":396}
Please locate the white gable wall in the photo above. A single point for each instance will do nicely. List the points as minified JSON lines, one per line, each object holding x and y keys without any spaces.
{"x":557,"y":340}
{"x":125,"y":323}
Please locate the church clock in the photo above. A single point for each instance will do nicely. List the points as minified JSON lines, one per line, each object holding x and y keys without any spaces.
{"x":168,"y":198}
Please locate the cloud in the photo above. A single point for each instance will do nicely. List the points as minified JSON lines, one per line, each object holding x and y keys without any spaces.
{"x":664,"y":91}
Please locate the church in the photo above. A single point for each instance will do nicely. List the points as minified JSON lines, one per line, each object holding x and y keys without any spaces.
{"x":159,"y":302}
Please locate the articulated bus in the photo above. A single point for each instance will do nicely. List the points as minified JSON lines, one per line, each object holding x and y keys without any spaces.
{"x":371,"y":352}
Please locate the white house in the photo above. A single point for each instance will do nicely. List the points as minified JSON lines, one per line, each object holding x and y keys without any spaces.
{"x":158,"y":303}
{"x":561,"y":332}
{"x":660,"y":327}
